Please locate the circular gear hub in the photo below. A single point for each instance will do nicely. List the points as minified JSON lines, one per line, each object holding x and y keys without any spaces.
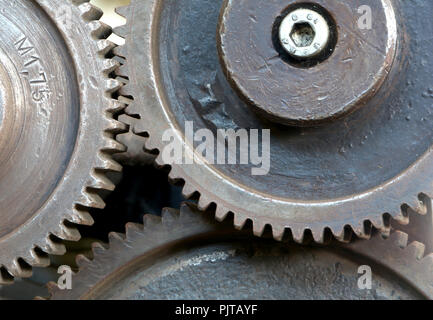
{"x":368,"y":160}
{"x":56,"y":126}
{"x":295,"y":75}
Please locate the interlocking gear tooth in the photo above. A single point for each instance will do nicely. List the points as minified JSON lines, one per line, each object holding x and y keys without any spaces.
{"x":189,"y":223}
{"x":82,"y":262}
{"x":358,"y":214}
{"x":67,"y":233}
{"x":100,"y":116}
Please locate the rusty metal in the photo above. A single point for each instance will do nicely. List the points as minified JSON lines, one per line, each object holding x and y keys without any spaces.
{"x":56,"y":127}
{"x":347,"y":175}
{"x":190,"y":256}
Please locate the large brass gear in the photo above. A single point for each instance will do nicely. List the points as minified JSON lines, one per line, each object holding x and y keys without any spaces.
{"x":56,"y":127}
{"x":187,"y":255}
{"x":352,"y":172}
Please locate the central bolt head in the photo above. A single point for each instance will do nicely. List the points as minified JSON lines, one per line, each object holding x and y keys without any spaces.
{"x":304,"y":33}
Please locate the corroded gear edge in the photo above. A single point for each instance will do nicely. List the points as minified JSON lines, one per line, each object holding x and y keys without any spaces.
{"x":406,"y":260}
{"x":342,"y":232}
{"x":36,"y":253}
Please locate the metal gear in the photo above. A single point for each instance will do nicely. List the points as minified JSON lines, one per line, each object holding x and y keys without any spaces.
{"x":56,"y":127}
{"x":369,"y":160}
{"x":188,"y":255}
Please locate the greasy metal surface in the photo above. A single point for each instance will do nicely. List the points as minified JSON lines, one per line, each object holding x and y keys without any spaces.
{"x":299,"y":95}
{"x":56,"y":128}
{"x":341,"y":174}
{"x":191,"y":257}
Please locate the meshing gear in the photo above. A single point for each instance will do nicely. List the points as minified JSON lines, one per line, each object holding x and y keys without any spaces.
{"x":350,"y":126}
{"x":56,"y":127}
{"x":187,"y":255}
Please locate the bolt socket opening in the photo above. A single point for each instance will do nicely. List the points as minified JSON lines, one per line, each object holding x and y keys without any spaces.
{"x":303,"y":35}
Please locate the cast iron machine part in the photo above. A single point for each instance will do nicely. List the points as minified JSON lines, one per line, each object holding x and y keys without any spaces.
{"x":57,"y":127}
{"x":187,"y":255}
{"x":349,"y":108}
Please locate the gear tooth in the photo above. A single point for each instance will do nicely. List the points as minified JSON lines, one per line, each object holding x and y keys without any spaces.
{"x":114,"y":106}
{"x":150,"y":220}
{"x":38,"y":258}
{"x":52,"y":287}
{"x":170,"y":215}
{"x":160,"y":163}
{"x":99,"y":30}
{"x":114,"y":126}
{"x":259,"y":228}
{"x":187,"y":210}
{"x":188,"y":190}
{"x":204,"y":203}
{"x":89,"y":12}
{"x":382,"y":224}
{"x":115,"y":237}
{"x":402,"y":217}
{"x":121,"y":31}
{"x":132,"y":229}
{"x":239,"y":221}
{"x":67,"y":233}
{"x":416,"y":249}
{"x":342,"y":233}
{"x":120,"y":51}
{"x":111,"y":145}
{"x":221,"y":213}
{"x":105,"y":46}
{"x":108,"y":164}
{"x":109,"y":66}
{"x":101,"y":182}
{"x":298,"y":235}
{"x":122,"y":71}
{"x":5,"y":277}
{"x":98,"y":249}
{"x":126,"y":91}
{"x":123,"y":11}
{"x":134,"y":108}
{"x":19,"y":269}
{"x":91,"y":200}
{"x":278,"y":232}
{"x":54,"y":248}
{"x":174,"y":173}
{"x":81,"y":217}
{"x":112,"y":85}
{"x":82,"y":261}
{"x":399,"y":239}
{"x":318,"y":234}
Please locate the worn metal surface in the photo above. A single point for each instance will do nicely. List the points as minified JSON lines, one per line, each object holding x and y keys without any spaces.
{"x":306,"y":92}
{"x":56,"y":127}
{"x":189,"y":256}
{"x":362,"y":168}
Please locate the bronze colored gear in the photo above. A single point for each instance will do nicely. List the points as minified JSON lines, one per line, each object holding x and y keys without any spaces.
{"x":347,"y":175}
{"x":188,"y":255}
{"x":56,"y":127}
